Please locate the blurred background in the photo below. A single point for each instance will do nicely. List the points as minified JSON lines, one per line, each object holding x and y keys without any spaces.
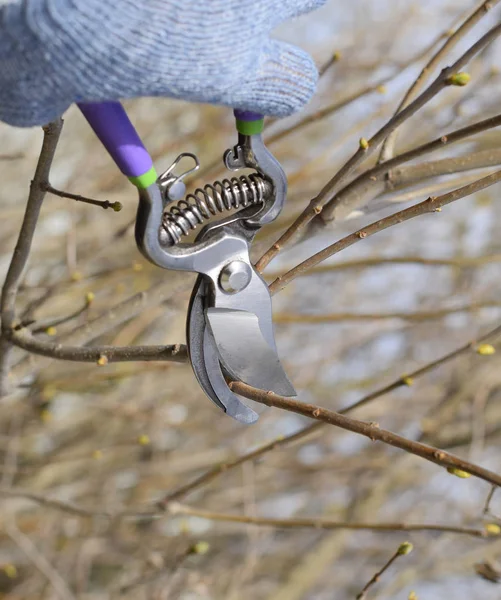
{"x":115,"y":437}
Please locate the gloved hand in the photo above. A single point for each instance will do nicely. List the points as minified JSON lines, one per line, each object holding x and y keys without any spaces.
{"x":56,"y":52}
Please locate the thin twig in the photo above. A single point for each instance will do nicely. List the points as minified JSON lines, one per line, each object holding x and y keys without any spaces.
{"x":369,"y":430}
{"x":175,"y":508}
{"x":24,"y":339}
{"x":488,"y":500}
{"x":376,"y":577}
{"x":389,"y":144}
{"x":21,"y":253}
{"x":309,"y":430}
{"x":419,"y":316}
{"x":38,"y":560}
{"x":331,"y":187}
{"x":110,"y":319}
{"x":67,"y":507}
{"x":116,"y":206}
{"x":432,"y":204}
{"x":333,"y":59}
{"x":60,"y":320}
{"x":374,"y":181}
{"x":460,"y":262}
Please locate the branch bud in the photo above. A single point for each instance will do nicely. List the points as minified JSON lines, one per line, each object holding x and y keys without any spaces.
{"x":459,"y":79}
{"x":405,"y":548}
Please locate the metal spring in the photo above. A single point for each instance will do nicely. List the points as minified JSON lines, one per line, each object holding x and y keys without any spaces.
{"x":220,"y":196}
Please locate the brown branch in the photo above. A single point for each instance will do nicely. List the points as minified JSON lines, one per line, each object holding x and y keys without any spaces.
{"x":404,"y":316}
{"x":58,"y":321}
{"x":369,"y":430}
{"x":175,"y":508}
{"x":38,"y":560}
{"x":461,"y":262}
{"x":332,"y":60}
{"x":110,"y":319}
{"x":434,"y":188}
{"x":402,"y":550}
{"x":487,"y":506}
{"x":21,"y":253}
{"x":374,"y":182}
{"x":24,"y":339}
{"x":389,"y":144}
{"x":309,"y":430}
{"x":332,"y":186}
{"x":432,"y":204}
{"x":228,"y":466}
{"x":116,"y":206}
{"x":67,"y":507}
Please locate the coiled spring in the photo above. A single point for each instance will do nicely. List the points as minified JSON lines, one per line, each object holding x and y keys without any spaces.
{"x":218,"y":197}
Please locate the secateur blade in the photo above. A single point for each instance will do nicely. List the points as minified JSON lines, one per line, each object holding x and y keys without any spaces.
{"x":205,"y":362}
{"x":244,"y":352}
{"x":230,"y":335}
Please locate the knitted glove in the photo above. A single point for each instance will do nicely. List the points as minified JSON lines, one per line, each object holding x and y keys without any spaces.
{"x":56,"y":52}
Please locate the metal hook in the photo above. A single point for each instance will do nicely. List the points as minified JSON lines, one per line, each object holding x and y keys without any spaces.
{"x":172,"y":186}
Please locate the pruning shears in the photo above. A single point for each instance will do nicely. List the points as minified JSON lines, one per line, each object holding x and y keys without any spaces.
{"x":229,"y":323}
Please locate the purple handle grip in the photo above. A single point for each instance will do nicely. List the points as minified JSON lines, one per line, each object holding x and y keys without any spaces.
{"x":117,"y":134}
{"x":247,"y":115}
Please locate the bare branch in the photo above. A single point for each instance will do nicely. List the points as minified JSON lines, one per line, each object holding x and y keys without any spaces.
{"x":461,"y":262}
{"x":318,"y":523}
{"x":387,"y":149}
{"x":67,"y":507}
{"x":21,"y":253}
{"x":488,"y":500}
{"x":24,"y":339}
{"x":116,"y":206}
{"x":312,"y":429}
{"x":414,"y":317}
{"x":374,"y":182}
{"x":369,"y":430}
{"x":58,"y":321}
{"x":432,"y":204}
{"x":331,"y":187}
{"x":402,"y":550}
{"x":39,"y":561}
{"x":110,"y":319}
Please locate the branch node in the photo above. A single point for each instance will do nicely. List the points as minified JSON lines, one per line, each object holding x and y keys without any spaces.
{"x":102,"y":360}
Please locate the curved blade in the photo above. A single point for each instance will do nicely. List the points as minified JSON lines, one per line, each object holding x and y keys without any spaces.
{"x":232,"y":405}
{"x":205,"y":363}
{"x":244,"y":352}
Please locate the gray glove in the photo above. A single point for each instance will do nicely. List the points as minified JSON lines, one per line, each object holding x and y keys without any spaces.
{"x":56,"y":52}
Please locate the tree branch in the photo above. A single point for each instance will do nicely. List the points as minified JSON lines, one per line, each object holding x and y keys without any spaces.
{"x":309,"y":430}
{"x":432,"y":204}
{"x":403,"y":316}
{"x":332,"y":186}
{"x":369,"y":430}
{"x":460,"y":262}
{"x":374,"y":182}
{"x":21,"y":253}
{"x":39,"y":561}
{"x":175,"y":508}
{"x":25,"y":340}
{"x":403,"y":549}
{"x":389,"y":144}
{"x":116,"y":206}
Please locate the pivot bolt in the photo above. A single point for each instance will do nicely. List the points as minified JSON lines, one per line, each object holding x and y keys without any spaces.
{"x":235,"y":277}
